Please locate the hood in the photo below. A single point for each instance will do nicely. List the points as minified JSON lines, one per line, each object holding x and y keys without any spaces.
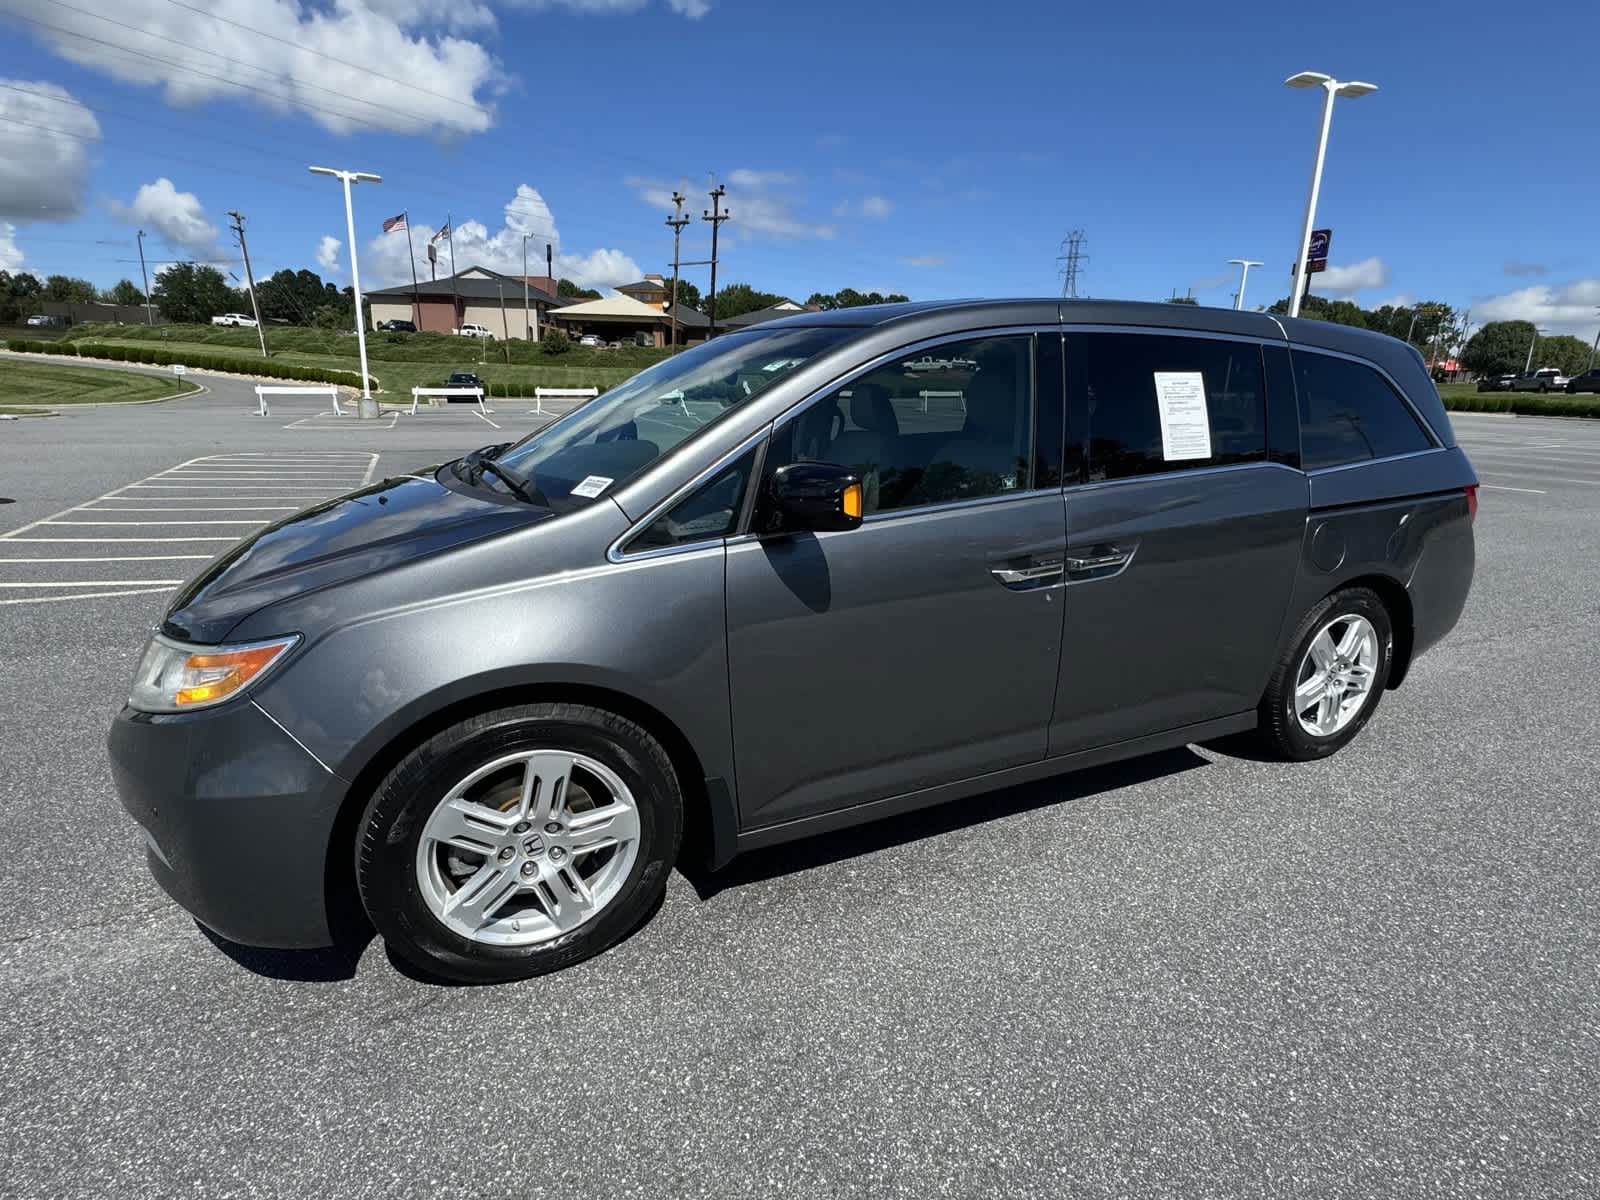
{"x":396,"y":521}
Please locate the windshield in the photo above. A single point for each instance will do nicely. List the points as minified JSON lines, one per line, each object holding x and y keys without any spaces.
{"x":606,"y":442}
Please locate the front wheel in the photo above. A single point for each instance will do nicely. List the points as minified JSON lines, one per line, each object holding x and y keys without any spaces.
{"x":519,"y":842}
{"x":1328,"y":684}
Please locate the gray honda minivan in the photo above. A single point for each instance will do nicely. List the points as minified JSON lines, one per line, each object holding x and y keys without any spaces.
{"x":831,"y":568}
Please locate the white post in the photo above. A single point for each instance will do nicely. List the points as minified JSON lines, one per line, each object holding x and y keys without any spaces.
{"x":1328,"y":89}
{"x":367,"y":407}
{"x":1244,"y":265}
{"x":1527,"y":367}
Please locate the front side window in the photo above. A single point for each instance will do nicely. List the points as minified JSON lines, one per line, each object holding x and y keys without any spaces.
{"x":1349,"y":413}
{"x":594,"y":450}
{"x":1158,"y":403}
{"x":709,"y":512}
{"x":952,"y":423}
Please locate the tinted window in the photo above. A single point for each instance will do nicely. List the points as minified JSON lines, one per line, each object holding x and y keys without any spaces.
{"x":1349,"y":413}
{"x":1212,"y":391}
{"x":708,"y":513}
{"x":953,"y":423}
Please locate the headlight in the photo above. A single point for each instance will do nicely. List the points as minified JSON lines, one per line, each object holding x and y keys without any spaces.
{"x":174,"y":677}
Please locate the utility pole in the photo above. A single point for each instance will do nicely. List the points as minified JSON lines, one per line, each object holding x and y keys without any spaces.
{"x":455,"y":299}
{"x":146,"y":275}
{"x":677,"y":220}
{"x":716,"y":218}
{"x":1072,"y":260}
{"x":527,"y":324}
{"x":1596,"y":346}
{"x":250,"y":280}
{"x":1244,"y":265}
{"x":505,"y":329}
{"x":1527,"y":367}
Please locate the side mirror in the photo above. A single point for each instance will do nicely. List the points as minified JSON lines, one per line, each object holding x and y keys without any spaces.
{"x":814,"y":496}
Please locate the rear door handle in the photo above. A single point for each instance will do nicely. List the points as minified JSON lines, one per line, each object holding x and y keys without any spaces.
{"x":1028,"y":576}
{"x":1098,"y":562}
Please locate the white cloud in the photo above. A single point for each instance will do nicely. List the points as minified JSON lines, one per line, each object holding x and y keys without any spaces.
{"x":178,"y":218}
{"x":1564,"y":308}
{"x":693,"y":9}
{"x":525,"y":213}
{"x":923,"y":260}
{"x":874,"y":208}
{"x":299,"y":54}
{"x":754,"y":201}
{"x":10,"y":252}
{"x":1368,"y":273}
{"x":328,"y":253}
{"x":44,"y":162}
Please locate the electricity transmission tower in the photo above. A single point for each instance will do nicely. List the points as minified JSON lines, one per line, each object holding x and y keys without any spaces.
{"x":1072,"y":260}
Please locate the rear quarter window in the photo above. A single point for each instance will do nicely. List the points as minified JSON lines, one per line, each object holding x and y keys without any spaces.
{"x":1349,"y":413}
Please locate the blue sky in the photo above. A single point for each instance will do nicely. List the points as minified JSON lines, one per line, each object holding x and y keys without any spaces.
{"x":936,"y":148}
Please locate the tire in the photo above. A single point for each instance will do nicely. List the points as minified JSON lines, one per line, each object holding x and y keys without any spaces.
{"x":1281,"y":729}
{"x":415,"y":886}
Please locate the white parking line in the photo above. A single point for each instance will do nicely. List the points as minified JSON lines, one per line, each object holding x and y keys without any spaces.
{"x":140,"y":540}
{"x":183,"y":522}
{"x":1500,"y":487}
{"x":83,"y":583}
{"x":85,"y":596}
{"x":129,"y":558}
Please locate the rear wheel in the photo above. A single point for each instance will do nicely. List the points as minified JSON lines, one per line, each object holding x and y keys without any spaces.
{"x":1328,"y":684}
{"x":519,"y":842}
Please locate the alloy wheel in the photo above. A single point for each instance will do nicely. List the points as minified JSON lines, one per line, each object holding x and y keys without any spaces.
{"x":528,"y":847}
{"x":1335,"y":678}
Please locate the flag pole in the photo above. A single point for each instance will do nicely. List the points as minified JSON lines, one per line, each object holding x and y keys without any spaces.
{"x":411,"y":253}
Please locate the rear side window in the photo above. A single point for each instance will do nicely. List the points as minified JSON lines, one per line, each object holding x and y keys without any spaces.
{"x":1158,"y":403}
{"x":1349,"y":413}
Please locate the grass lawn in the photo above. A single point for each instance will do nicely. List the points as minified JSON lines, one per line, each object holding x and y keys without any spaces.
{"x":37,"y":383}
{"x":437,"y":355}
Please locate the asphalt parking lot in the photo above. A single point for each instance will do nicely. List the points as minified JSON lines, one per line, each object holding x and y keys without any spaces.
{"x":1191,"y":975}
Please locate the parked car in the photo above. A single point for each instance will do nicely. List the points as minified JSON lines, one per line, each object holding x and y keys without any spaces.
{"x":1496,"y":383}
{"x":1589,"y":381}
{"x":397,"y":326}
{"x":238,"y":319}
{"x":757,"y":591}
{"x":591,"y":341}
{"x":1545,"y":379}
{"x":44,"y":321}
{"x":465,"y":379}
{"x":476,"y":331}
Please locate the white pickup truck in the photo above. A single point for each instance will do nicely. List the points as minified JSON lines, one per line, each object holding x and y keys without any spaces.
{"x":477,"y":331}
{"x":239,"y":319}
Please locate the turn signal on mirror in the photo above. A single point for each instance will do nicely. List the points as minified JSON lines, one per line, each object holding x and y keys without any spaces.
{"x":852,"y":501}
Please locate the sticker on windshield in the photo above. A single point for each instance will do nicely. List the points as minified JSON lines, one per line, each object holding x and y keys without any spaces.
{"x":1185,"y":425}
{"x":592,"y":486}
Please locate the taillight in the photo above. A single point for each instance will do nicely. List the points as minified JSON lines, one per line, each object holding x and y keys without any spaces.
{"x":1472,"y":501}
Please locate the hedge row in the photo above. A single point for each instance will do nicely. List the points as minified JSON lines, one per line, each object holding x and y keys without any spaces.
{"x":156,"y":356}
{"x":1526,"y":405}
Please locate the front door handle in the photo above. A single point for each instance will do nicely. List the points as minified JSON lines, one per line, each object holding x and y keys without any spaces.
{"x":1037,"y":575}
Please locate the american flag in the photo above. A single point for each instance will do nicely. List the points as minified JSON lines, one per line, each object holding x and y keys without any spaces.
{"x":445,"y":232}
{"x":395,"y":224}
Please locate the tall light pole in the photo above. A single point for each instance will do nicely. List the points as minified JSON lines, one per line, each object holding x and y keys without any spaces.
{"x":1331,"y":87}
{"x":1527,"y":367}
{"x":1596,"y":346}
{"x":146,"y":275}
{"x":1244,"y":265}
{"x":368,"y":407}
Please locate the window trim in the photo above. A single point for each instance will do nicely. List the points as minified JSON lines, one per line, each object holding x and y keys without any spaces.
{"x":1427,"y":428}
{"x":618,"y":552}
{"x":1187,"y":472}
{"x":866,"y":368}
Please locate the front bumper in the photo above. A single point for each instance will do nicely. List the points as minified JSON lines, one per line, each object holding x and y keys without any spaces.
{"x":237,"y":817}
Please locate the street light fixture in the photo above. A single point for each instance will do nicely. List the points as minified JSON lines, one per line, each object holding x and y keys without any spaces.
{"x":1244,"y":265}
{"x":1331,"y":87}
{"x":367,"y":407}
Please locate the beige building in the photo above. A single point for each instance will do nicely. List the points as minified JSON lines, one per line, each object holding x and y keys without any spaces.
{"x":471,"y":297}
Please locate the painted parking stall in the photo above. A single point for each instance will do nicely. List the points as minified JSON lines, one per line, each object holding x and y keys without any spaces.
{"x":152,"y":535}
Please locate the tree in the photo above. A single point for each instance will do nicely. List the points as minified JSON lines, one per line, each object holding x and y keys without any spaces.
{"x":64,"y":289}
{"x":567,"y":290}
{"x":19,"y":296}
{"x":191,"y":294}
{"x":1567,"y":354}
{"x":688,"y":295}
{"x":1499,"y":348}
{"x":739,"y":298}
{"x":294,"y":296}
{"x":126,"y":293}
{"x":850,"y":298}
{"x":1182,"y":300}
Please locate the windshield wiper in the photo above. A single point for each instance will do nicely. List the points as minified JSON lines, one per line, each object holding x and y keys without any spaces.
{"x":481,"y":461}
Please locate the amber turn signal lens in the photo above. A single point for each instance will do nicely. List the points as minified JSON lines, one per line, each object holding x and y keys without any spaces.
{"x":852,"y":501}
{"x":217,"y":675}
